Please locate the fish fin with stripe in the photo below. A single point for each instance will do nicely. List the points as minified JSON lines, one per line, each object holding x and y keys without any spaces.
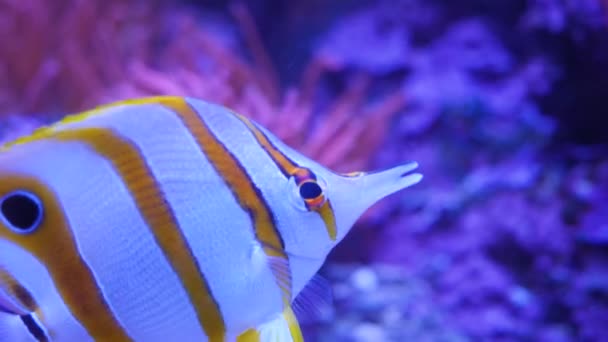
{"x":279,"y":265}
{"x":315,"y":302}
{"x":278,"y":261}
{"x":284,"y":328}
{"x":280,"y":269}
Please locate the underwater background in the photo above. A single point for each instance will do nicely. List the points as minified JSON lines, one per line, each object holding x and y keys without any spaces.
{"x":501,"y":102}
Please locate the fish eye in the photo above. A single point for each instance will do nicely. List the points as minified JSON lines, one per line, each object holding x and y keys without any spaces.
{"x":312,"y":193}
{"x":21,"y":211}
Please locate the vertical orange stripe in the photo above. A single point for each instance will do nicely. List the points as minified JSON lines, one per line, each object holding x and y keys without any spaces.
{"x":328,"y":217}
{"x":237,"y":179}
{"x":289,"y":168}
{"x":53,"y":245}
{"x":133,"y":169}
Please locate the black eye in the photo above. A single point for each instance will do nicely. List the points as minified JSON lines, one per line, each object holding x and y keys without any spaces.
{"x":310,"y":190}
{"x":21,"y":211}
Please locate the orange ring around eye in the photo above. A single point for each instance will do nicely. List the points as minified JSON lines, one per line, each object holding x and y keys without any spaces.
{"x":315,"y":202}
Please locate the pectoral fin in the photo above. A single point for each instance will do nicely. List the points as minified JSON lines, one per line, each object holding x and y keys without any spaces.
{"x":314,"y":302}
{"x":284,"y":328}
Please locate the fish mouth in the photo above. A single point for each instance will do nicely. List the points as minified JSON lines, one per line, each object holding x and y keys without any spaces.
{"x":407,"y":168}
{"x":392,"y":180}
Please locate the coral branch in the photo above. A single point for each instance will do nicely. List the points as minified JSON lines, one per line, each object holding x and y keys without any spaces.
{"x":59,"y":60}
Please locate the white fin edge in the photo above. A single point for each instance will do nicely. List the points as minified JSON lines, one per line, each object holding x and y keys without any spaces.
{"x":284,"y":328}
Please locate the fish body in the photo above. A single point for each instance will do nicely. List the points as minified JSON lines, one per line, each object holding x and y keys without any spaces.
{"x":167,"y":219}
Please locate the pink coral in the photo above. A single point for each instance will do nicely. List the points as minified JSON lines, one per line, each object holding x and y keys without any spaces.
{"x":71,"y":55}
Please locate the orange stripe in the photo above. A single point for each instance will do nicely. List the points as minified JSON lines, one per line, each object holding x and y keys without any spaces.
{"x":233,"y":174}
{"x":236,"y":178}
{"x":289,"y":168}
{"x":53,"y":245}
{"x":294,"y":326}
{"x":136,"y":175}
{"x":17,"y":291}
{"x":327,"y":214}
{"x":251,"y":335}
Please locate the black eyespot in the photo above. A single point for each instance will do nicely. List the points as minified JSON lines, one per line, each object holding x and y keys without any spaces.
{"x":21,"y":211}
{"x":310,"y":190}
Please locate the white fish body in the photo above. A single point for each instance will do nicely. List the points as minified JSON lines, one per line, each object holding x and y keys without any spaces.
{"x":166,"y":219}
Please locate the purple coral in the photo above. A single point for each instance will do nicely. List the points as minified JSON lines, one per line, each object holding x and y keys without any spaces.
{"x":501,"y":102}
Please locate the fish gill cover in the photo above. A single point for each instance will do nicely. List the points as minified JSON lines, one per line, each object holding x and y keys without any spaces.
{"x":502,"y":103}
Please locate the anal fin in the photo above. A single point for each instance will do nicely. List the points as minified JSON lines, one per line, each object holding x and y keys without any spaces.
{"x":284,"y":328}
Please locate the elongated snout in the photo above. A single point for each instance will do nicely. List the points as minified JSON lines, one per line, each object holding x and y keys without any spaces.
{"x":354,"y":195}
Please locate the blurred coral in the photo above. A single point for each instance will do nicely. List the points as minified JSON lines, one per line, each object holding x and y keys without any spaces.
{"x":69,"y":55}
{"x":52,"y":52}
{"x":506,"y":237}
{"x":508,"y":217}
